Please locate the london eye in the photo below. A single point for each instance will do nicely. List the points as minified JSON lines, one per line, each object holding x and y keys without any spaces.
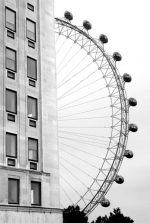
{"x":93,"y":115}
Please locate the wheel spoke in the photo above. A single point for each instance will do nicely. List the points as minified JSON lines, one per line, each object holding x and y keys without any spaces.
{"x":92,"y":116}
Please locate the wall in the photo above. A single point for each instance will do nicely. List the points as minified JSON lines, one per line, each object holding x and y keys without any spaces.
{"x":46,"y":130}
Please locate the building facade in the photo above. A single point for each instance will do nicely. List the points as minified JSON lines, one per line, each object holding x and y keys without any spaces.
{"x":29,"y":160}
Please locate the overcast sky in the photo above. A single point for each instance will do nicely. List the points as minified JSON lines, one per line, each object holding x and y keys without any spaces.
{"x":127,"y":25}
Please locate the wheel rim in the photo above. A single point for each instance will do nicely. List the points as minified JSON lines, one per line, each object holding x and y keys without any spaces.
{"x":92,"y":113}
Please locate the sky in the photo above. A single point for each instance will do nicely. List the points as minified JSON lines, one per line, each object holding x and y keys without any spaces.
{"x":126,"y":23}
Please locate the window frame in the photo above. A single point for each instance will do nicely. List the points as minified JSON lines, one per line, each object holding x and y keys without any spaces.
{"x":32,"y":123}
{"x":18,"y":190}
{"x":30,"y":7}
{"x":13,"y":112}
{"x":11,"y":162}
{"x":27,"y":19}
{"x":10,"y":74}
{"x":34,"y":118}
{"x":37,"y":152}
{"x":31,"y":44}
{"x":7,"y":48}
{"x":40,"y":194}
{"x":7,"y":8}
{"x":10,"y":34}
{"x":28,"y":57}
{"x":16,"y":148}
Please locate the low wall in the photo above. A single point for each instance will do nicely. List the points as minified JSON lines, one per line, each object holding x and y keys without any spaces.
{"x":16,"y":214}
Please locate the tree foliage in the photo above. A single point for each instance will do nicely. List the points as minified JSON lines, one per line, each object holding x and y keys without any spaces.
{"x":73,"y":214}
{"x":115,"y":217}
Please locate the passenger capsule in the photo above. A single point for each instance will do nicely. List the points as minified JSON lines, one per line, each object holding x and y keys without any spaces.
{"x":127,"y":78}
{"x":68,"y":15}
{"x":87,"y":25}
{"x":103,"y":38}
{"x":132,"y":102}
{"x":105,"y":202}
{"x":128,"y":154}
{"x":119,"y":179}
{"x":117,"y":56}
{"x":133,"y":127}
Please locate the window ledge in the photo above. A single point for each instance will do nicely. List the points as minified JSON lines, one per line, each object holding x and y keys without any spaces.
{"x":24,"y":170}
{"x":29,"y":209}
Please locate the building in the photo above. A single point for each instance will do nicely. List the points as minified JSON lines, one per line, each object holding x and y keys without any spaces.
{"x":29,"y":160}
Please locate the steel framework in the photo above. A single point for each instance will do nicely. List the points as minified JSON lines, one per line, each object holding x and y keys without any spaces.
{"x":119,"y":106}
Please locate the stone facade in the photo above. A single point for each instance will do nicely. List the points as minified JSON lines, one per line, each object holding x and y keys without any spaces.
{"x":47,"y":166}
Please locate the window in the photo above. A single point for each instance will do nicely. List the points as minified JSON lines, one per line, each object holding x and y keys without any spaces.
{"x":30,"y":7}
{"x":32,"y":107}
{"x":11,"y":162}
{"x":32,"y":83}
{"x":10,"y":19}
{"x":11,"y":101}
{"x":11,"y":59}
{"x":33,"y":166}
{"x":13,"y":191}
{"x":31,"y":30}
{"x":31,"y":68}
{"x":11,"y":117}
{"x":35,"y":193}
{"x":10,"y":34}
{"x":31,"y":44}
{"x":10,"y":74}
{"x":33,"y":149}
{"x":32,"y":123}
{"x":11,"y":145}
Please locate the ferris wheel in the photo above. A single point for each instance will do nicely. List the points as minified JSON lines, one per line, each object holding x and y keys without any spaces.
{"x":93,"y":115}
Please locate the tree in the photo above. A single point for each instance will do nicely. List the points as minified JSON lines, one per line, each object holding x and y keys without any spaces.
{"x":115,"y":217}
{"x":73,"y":214}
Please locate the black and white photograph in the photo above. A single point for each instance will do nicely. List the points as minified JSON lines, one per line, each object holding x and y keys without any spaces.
{"x":74,"y":111}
